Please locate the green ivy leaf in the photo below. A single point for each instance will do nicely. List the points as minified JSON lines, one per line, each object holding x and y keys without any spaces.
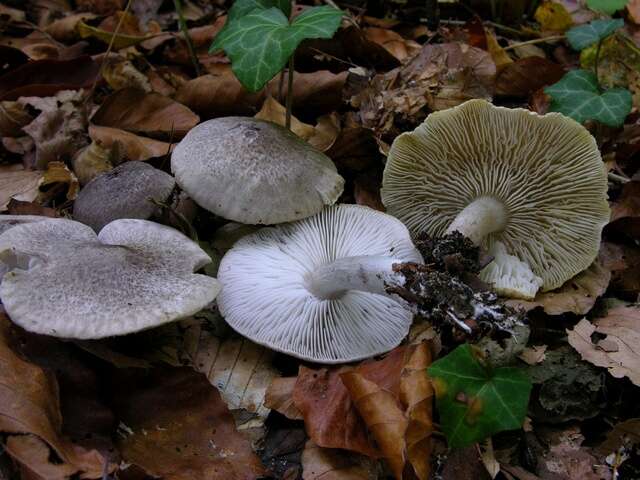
{"x":584,"y":36}
{"x":577,"y":95}
{"x":475,"y":401}
{"x":240,"y":8}
{"x":260,"y":43}
{"x":607,"y":6}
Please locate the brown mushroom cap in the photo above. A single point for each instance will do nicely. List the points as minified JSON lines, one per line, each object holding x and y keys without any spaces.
{"x":544,"y":172}
{"x":253,"y":171}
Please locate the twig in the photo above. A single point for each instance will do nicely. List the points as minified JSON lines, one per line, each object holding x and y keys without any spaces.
{"x":614,"y":177}
{"x":289,"y":94}
{"x":185,"y":31}
{"x":597,"y":61}
{"x":459,"y":322}
{"x":534,"y":41}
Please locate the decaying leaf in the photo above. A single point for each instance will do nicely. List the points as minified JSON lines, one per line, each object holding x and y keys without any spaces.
{"x":13,"y":116}
{"x":93,"y":160}
{"x":279,"y":397}
{"x":515,"y":79}
{"x":393,"y":42}
{"x":393,"y":398}
{"x":623,"y":434}
{"x":145,"y":113}
{"x":175,"y":425}
{"x":577,"y":295}
{"x":241,"y":371}
{"x":332,"y":464}
{"x":30,"y":416}
{"x":619,"y":351}
{"x":534,"y":354}
{"x":129,"y":145}
{"x":322,"y":136}
{"x":121,"y":73}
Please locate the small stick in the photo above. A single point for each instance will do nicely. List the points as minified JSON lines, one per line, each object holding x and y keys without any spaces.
{"x":534,"y":41}
{"x":459,"y":322}
{"x":614,"y":177}
{"x":185,"y":31}
{"x":289,"y":94}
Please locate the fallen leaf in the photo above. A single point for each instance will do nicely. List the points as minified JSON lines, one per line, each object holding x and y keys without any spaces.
{"x":332,"y":464}
{"x":516,"y":79}
{"x":30,"y":415}
{"x":487,"y":455}
{"x":628,"y":203}
{"x":578,"y":295}
{"x":101,"y":7}
{"x":552,"y":16}
{"x":622,"y":328}
{"x":322,"y":136}
{"x":279,"y":397}
{"x":633,"y":7}
{"x":18,"y":207}
{"x":241,"y":371}
{"x":392,"y":42}
{"x":129,"y":145}
{"x":44,"y":78}
{"x":366,"y":190}
{"x":145,"y":113}
{"x":120,"y":40}
{"x":64,"y":29}
{"x":19,"y":183}
{"x":120,"y":73}
{"x":59,"y":131}
{"x":93,"y":160}
{"x":13,"y":116}
{"x":500,"y":57}
{"x":534,"y":354}
{"x":625,"y":433}
{"x":175,"y":425}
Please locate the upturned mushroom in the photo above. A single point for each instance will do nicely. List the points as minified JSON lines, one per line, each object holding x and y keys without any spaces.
{"x":253,"y":171}
{"x":127,"y":191}
{"x":63,"y":280}
{"x":316,"y":288}
{"x":529,"y":188}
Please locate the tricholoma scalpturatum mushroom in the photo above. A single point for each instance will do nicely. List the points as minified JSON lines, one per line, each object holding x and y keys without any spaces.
{"x":529,"y":188}
{"x":64,"y":280}
{"x":316,"y":288}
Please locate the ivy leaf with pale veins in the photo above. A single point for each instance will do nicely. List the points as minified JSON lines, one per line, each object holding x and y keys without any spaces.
{"x":260,"y":43}
{"x":607,"y":6}
{"x":240,"y":8}
{"x":583,"y":36}
{"x":475,"y":401}
{"x":577,"y":95}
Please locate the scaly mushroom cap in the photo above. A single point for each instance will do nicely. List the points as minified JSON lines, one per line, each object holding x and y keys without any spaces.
{"x":67,"y":282}
{"x":264,"y":295}
{"x":253,"y":171}
{"x":123,"y":192}
{"x":546,"y":171}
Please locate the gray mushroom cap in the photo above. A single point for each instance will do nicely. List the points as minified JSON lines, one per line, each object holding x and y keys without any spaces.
{"x":67,"y":282}
{"x":123,"y":192}
{"x":253,"y":171}
{"x":267,"y":292}
{"x":531,"y":189}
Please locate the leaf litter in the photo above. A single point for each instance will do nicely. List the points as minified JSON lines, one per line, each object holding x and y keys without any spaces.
{"x":70,"y":110}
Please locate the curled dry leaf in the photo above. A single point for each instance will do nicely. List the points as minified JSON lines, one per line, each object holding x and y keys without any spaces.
{"x":390,"y":399}
{"x":619,"y":351}
{"x":30,"y":416}
{"x":13,"y":116}
{"x":64,"y":29}
{"x":322,"y":136}
{"x":145,"y":113}
{"x":533,"y":355}
{"x":129,"y":145}
{"x":241,"y":371}
{"x":623,"y":434}
{"x":332,"y":464}
{"x":93,"y":160}
{"x":392,"y":42}
{"x":279,"y":397}
{"x":20,"y":184}
{"x":120,"y":73}
{"x":578,"y":295}
{"x":176,"y":426}
{"x":44,"y":78}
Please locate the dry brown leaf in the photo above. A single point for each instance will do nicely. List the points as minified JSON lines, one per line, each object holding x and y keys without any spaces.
{"x":241,"y":371}
{"x":500,"y":57}
{"x":392,"y":42}
{"x":533,"y":355}
{"x":279,"y":397}
{"x":129,"y":145}
{"x":64,"y":29}
{"x":633,"y":8}
{"x":145,"y":113}
{"x":628,"y":203}
{"x":24,"y":185}
{"x":93,"y":160}
{"x":322,"y":136}
{"x":577,"y":295}
{"x":59,"y":131}
{"x":30,"y":409}
{"x":175,"y":425}
{"x":488,"y":457}
{"x":120,"y":73}
{"x":332,"y":464}
{"x":366,"y":190}
{"x":13,"y":116}
{"x":619,"y":351}
{"x":625,"y":433}
{"x":516,"y":79}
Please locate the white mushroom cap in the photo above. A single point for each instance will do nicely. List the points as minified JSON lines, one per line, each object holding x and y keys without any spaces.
{"x":134,"y":275}
{"x":535,"y":183}
{"x":253,"y":171}
{"x":123,"y":192}
{"x":266,"y":278}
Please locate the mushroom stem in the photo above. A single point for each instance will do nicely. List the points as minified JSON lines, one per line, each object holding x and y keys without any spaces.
{"x":368,"y":273}
{"x":480,"y":218}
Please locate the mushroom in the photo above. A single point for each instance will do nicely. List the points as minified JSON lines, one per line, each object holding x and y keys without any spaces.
{"x":316,"y":288}
{"x":124,"y":192}
{"x":253,"y":171}
{"x":65,"y":281}
{"x":529,"y":188}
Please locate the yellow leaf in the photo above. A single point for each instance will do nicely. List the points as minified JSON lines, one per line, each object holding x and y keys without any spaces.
{"x":500,"y":57}
{"x":121,"y":40}
{"x":553,"y":16}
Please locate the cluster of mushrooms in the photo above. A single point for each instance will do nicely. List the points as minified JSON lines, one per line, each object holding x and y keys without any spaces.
{"x":529,"y":189}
